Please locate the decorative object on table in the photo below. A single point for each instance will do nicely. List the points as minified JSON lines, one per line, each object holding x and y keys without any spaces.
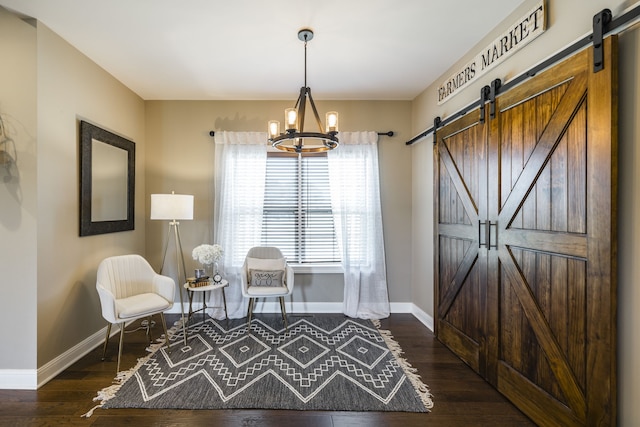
{"x":174,"y":207}
{"x":208,"y":255}
{"x":196,"y":282}
{"x":217,"y":278}
{"x":324,"y":362}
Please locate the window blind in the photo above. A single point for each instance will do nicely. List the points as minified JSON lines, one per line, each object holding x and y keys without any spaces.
{"x":297,"y":216}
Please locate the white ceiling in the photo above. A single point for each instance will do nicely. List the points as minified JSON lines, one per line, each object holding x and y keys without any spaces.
{"x":249,"y":49}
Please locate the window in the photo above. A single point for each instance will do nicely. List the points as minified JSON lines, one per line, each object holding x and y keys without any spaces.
{"x":297,"y":214}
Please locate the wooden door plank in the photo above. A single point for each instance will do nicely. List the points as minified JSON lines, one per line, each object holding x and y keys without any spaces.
{"x":529,"y":398}
{"x":602,"y":161}
{"x":555,"y":356}
{"x":548,"y":141}
{"x":462,"y":345}
{"x":572,"y":245}
{"x":461,"y":190}
{"x":459,"y":278}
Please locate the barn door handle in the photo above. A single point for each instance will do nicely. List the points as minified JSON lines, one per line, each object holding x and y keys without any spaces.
{"x":487,"y":236}
{"x":495,"y":244}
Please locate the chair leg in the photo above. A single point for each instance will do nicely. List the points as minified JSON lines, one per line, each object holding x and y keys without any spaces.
{"x":226,"y":314}
{"x":250,"y":312}
{"x":284,"y":313}
{"x":149,"y":337}
{"x":120,"y":346}
{"x":106,"y":341}
{"x":166,"y":333}
{"x":224,"y":300}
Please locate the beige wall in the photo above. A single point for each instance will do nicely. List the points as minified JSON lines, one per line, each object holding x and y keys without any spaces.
{"x":180,"y":158}
{"x":18,"y":194}
{"x":568,"y":20}
{"x":71,"y":88}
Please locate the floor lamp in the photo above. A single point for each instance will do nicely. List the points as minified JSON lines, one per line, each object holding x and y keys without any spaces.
{"x":174,"y":207}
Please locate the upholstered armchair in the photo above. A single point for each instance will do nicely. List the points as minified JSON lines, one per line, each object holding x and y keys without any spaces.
{"x":130,"y":289}
{"x":266,"y":274}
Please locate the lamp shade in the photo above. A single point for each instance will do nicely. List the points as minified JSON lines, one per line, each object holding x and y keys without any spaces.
{"x":171,"y":206}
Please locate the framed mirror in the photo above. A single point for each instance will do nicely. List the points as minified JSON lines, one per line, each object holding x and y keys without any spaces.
{"x":107,"y":181}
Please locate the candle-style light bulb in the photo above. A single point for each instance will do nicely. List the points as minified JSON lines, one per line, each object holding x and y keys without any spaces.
{"x":291,"y":118}
{"x":332,"y":121}
{"x":274,"y":128}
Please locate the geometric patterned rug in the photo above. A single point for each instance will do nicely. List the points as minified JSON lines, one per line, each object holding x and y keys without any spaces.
{"x":323,"y":362}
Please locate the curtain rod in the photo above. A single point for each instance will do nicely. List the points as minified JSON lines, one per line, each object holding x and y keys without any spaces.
{"x":608,"y":27}
{"x":212,"y":133}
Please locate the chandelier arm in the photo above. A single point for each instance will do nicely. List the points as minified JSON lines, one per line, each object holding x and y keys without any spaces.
{"x":301,"y":98}
{"x":301,"y":108}
{"x":315,"y":110}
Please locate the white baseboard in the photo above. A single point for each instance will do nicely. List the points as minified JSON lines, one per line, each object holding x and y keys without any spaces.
{"x":18,"y":379}
{"x":50,"y":370}
{"x":401,"y":307}
{"x":423,"y":317}
{"x":31,"y":379}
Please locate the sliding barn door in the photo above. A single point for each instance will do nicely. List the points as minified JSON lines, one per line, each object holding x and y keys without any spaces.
{"x":538,"y":274}
{"x":461,"y":267}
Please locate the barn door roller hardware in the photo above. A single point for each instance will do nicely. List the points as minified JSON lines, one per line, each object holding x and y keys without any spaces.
{"x":600,"y":22}
{"x":484,"y":95}
{"x":437,"y":122}
{"x":489,"y":93}
{"x":495,"y":87}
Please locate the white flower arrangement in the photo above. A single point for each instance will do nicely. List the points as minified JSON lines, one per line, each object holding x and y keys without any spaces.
{"x":207,"y":254}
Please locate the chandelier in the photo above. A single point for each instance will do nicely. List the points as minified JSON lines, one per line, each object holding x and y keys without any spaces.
{"x":295,"y":138}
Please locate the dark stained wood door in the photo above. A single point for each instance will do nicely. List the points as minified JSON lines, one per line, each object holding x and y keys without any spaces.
{"x":527,"y":294}
{"x":461,"y":266}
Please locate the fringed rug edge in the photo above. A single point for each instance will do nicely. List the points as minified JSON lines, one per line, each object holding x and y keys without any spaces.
{"x":421,"y":388}
{"x":107,"y":393}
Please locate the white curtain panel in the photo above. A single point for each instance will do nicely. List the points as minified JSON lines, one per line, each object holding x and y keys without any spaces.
{"x":241,"y":159}
{"x":355,"y":199}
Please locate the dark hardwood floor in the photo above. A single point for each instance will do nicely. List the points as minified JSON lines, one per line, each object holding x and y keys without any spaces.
{"x":461,"y":398}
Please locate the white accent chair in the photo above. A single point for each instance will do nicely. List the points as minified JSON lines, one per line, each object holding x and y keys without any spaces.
{"x":130,"y":289}
{"x":266,"y":259}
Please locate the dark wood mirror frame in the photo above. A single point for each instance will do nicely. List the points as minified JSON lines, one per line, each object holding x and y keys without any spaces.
{"x":89,"y":227}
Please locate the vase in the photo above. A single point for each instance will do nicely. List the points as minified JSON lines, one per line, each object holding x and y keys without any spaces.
{"x":205,"y":270}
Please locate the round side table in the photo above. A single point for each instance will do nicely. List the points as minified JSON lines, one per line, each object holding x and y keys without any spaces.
{"x":192,"y":290}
